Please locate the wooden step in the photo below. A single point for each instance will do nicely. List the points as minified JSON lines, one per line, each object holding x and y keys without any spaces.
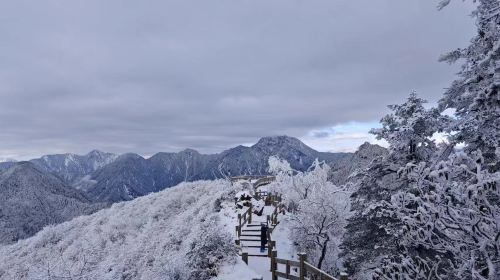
{"x":251,"y":246}
{"x":254,"y":235}
{"x":256,"y":240}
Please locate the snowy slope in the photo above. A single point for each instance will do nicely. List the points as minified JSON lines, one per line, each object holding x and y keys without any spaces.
{"x":71,"y":167}
{"x":173,"y":234}
{"x":31,"y":199}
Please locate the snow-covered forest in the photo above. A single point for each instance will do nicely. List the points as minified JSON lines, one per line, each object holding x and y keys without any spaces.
{"x":175,"y":234}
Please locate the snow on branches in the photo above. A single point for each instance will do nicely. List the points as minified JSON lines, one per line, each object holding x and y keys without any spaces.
{"x":408,"y":129}
{"x":475,"y":94}
{"x":318,"y":209}
{"x":453,"y":208}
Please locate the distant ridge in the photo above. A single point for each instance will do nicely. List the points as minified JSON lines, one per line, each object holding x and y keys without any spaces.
{"x":111,"y":178}
{"x":131,"y":175}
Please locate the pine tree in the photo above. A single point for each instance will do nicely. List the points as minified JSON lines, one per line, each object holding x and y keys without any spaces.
{"x":475,"y":94}
{"x":373,"y":230}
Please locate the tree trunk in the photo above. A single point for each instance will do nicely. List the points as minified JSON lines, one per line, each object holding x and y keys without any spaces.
{"x":323,"y":251}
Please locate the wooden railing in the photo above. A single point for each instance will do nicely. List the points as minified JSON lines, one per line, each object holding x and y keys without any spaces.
{"x":243,"y":219}
{"x":249,"y":177}
{"x":264,"y":181}
{"x":273,"y":218}
{"x":305,"y":270}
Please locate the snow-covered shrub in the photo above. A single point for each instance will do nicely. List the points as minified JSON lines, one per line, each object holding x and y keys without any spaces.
{"x":209,"y":249}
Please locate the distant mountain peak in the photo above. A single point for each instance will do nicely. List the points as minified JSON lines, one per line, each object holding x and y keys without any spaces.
{"x":129,"y":156}
{"x":278,"y":140}
{"x":189,"y":151}
{"x":95,"y":152}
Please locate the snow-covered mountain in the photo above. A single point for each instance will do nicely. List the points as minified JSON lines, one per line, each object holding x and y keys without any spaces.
{"x":72,"y":167}
{"x":174,"y":234}
{"x":131,"y":175}
{"x":31,"y":198}
{"x":346,"y":168}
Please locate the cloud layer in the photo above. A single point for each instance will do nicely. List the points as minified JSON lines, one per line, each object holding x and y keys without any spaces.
{"x":165,"y":75}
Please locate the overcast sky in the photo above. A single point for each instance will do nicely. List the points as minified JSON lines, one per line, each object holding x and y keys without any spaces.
{"x":149,"y":76}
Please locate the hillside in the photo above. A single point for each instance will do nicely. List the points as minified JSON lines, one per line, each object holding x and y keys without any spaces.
{"x":173,"y":234}
{"x":31,"y":199}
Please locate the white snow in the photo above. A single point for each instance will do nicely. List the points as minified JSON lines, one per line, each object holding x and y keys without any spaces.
{"x":173,"y":234}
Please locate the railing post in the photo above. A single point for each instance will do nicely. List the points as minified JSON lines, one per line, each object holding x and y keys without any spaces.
{"x":238,"y":230}
{"x":274,"y":265}
{"x":237,"y":241}
{"x":250,"y":214}
{"x":287,"y":269}
{"x":269,"y":249}
{"x":302,"y":268}
{"x":244,"y":257}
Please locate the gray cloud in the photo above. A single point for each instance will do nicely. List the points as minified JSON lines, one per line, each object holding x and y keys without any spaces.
{"x":165,"y":75}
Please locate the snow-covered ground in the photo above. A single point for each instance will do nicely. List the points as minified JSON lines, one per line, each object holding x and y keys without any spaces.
{"x":174,"y":234}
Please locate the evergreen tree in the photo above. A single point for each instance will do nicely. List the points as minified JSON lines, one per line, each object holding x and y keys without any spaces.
{"x":373,"y":231}
{"x":475,"y":94}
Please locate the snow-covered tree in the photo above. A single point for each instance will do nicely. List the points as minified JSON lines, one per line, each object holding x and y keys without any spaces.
{"x":297,"y":185}
{"x":475,"y":94}
{"x":319,"y":211}
{"x":372,"y":231}
{"x":452,"y":205}
{"x":409,"y":128}
{"x":318,"y":224}
{"x":452,"y":208}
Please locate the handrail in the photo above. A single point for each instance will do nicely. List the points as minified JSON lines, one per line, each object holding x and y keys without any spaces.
{"x":243,"y":219}
{"x":248,"y":177}
{"x":305,"y":269}
{"x":264,"y":181}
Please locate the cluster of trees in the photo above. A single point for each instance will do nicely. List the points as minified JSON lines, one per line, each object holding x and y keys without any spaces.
{"x":430,"y":211}
{"x":426,"y":210}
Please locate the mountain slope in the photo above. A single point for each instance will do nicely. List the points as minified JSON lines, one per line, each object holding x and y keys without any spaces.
{"x":31,"y":199}
{"x":128,"y":177}
{"x":174,"y":234}
{"x":346,"y":168}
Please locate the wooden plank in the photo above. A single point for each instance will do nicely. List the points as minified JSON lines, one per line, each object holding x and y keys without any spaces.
{"x":292,"y":263}
{"x":281,"y":261}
